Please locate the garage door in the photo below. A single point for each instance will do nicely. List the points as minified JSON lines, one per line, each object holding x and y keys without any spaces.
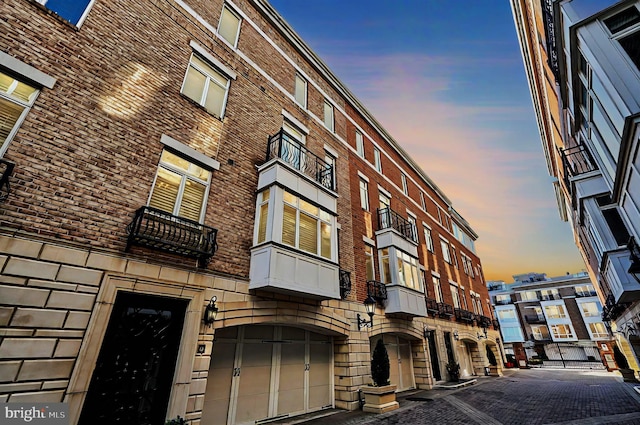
{"x":263,"y":372}
{"x":400,"y":361}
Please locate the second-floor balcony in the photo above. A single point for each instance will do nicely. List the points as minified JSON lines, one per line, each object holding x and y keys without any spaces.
{"x":160,"y":230}
{"x":483,"y":321}
{"x":445,"y":310}
{"x":432,"y":306}
{"x":577,"y":160}
{"x":345,"y":283}
{"x":377,"y":290}
{"x":464,"y":315}
{"x":389,"y":219}
{"x":550,"y":297}
{"x":496,"y":324}
{"x":534,"y":318}
{"x":289,"y":150}
{"x":6,"y":169}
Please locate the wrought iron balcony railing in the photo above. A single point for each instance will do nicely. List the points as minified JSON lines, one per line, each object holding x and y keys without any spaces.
{"x":445,"y":310}
{"x":496,"y":324}
{"x":464,"y":315}
{"x":483,"y":321}
{"x":550,"y":297}
{"x":284,"y":146}
{"x":345,"y":283}
{"x":432,"y":306}
{"x":577,"y":160}
{"x":154,"y":228}
{"x":388,"y":218}
{"x":585,"y":294}
{"x":377,"y":290}
{"x":6,"y":169}
{"x":534,"y":319}
{"x":612,"y":310}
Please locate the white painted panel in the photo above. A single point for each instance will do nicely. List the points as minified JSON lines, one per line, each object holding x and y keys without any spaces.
{"x":389,"y":237}
{"x":623,"y":285}
{"x":401,"y":299}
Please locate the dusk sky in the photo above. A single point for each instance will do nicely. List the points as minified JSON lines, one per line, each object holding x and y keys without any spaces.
{"x":446,"y":79}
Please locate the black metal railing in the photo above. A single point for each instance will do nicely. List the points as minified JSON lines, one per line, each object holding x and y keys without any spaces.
{"x":377,"y":290}
{"x":577,"y":160}
{"x":483,"y":321}
{"x":155,"y":228}
{"x":496,"y":324}
{"x":464,"y":315}
{"x":6,"y":169}
{"x":549,"y":297}
{"x":432,"y":306}
{"x":612,"y":310}
{"x":445,"y":310}
{"x":534,"y":319}
{"x":388,"y":218}
{"x":345,"y":283}
{"x":282,"y":145}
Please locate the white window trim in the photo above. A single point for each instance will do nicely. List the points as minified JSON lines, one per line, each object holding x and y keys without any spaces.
{"x":328,"y":106}
{"x":212,"y":60}
{"x":26,"y":71}
{"x":383,"y":191}
{"x":232,"y":10}
{"x":209,"y":77}
{"x":360,"y":153}
{"x":331,"y":151}
{"x":369,"y":241}
{"x":377,"y":160}
{"x":295,"y":122}
{"x":405,"y":185}
{"x":189,"y":152}
{"x":306,"y":90}
{"x":363,"y":177}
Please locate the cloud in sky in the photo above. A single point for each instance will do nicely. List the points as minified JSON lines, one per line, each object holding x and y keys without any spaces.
{"x":492,"y":170}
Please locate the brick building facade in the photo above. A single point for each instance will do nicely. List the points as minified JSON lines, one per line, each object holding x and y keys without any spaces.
{"x":169,"y":158}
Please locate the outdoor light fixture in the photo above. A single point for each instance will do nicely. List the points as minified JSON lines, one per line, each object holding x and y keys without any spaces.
{"x":455,"y":335}
{"x":210,"y":311}
{"x":482,"y":336}
{"x":369,"y":306}
{"x":634,"y":268}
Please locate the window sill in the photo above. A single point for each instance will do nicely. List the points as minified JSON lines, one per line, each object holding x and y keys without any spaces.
{"x":199,"y":106}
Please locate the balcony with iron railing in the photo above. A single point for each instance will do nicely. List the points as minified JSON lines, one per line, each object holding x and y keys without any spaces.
{"x":345,"y":283}
{"x":580,"y":294}
{"x":432,"y":306}
{"x":581,"y":175}
{"x":483,"y":321}
{"x":157,"y":229}
{"x":286,"y":148}
{"x":464,"y":315}
{"x":577,"y":160}
{"x":377,"y":290}
{"x":550,"y":297}
{"x":445,"y":310}
{"x":6,"y":169}
{"x":535,"y":319}
{"x":389,"y":219}
{"x":496,"y":324}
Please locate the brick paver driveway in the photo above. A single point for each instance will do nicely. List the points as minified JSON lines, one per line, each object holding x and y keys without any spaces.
{"x":521,"y":397}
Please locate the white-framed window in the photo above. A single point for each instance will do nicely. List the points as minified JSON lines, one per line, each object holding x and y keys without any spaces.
{"x":585,"y":291}
{"x":427,"y":238}
{"x":205,"y":85}
{"x":369,"y":262}
{"x":503,"y":299}
{"x":598,"y":330}
{"x":540,"y":332}
{"x":73,"y":11}
{"x":306,"y":226}
{"x":437,"y":289}
{"x":263,"y":214}
{"x":529,"y":296}
{"x":359,"y":144}
{"x":385,"y":266}
{"x":16,"y":99}
{"x":180,"y":187}
{"x":446,"y":255}
{"x":590,"y":309}
{"x":405,"y":187}
{"x":508,"y":315}
{"x":330,"y":162}
{"x":561,"y":331}
{"x":455,"y":296}
{"x":229,"y":26}
{"x":364,"y":195}
{"x":300,"y":91}
{"x":463,"y":299}
{"x":423,"y":204}
{"x":408,"y":271}
{"x":549,"y":294}
{"x":414,"y":230}
{"x":555,"y":311}
{"x":376,"y":158}
{"x":328,"y":116}
{"x":454,"y":256}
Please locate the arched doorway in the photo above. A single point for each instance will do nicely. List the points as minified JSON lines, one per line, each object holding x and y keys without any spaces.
{"x":400,"y":360}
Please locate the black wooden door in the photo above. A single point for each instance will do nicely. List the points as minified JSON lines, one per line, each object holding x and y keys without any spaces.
{"x":132,"y":381}
{"x":433,"y":352}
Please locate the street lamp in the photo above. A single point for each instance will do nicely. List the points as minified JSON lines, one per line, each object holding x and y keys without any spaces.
{"x":455,"y":335}
{"x":482,"y":336}
{"x":210,"y":311}
{"x":370,"y":307}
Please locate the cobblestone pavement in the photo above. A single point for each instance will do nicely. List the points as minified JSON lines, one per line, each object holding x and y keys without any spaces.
{"x":521,"y":397}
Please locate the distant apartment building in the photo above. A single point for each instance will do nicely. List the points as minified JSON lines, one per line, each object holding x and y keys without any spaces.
{"x":583,"y":69}
{"x":553,"y":321}
{"x":196,"y":215}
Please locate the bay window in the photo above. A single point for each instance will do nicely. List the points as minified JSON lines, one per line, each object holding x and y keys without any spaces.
{"x":399,"y":268}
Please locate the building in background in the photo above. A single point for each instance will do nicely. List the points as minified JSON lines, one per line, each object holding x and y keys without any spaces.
{"x":552,"y":321}
{"x":582,"y":65}
{"x":195,"y":211}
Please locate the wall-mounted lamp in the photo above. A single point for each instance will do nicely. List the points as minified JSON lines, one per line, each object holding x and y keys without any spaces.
{"x":210,"y":311}
{"x":634,"y":268}
{"x":456,"y":336}
{"x":484,"y":330}
{"x":370,"y":307}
